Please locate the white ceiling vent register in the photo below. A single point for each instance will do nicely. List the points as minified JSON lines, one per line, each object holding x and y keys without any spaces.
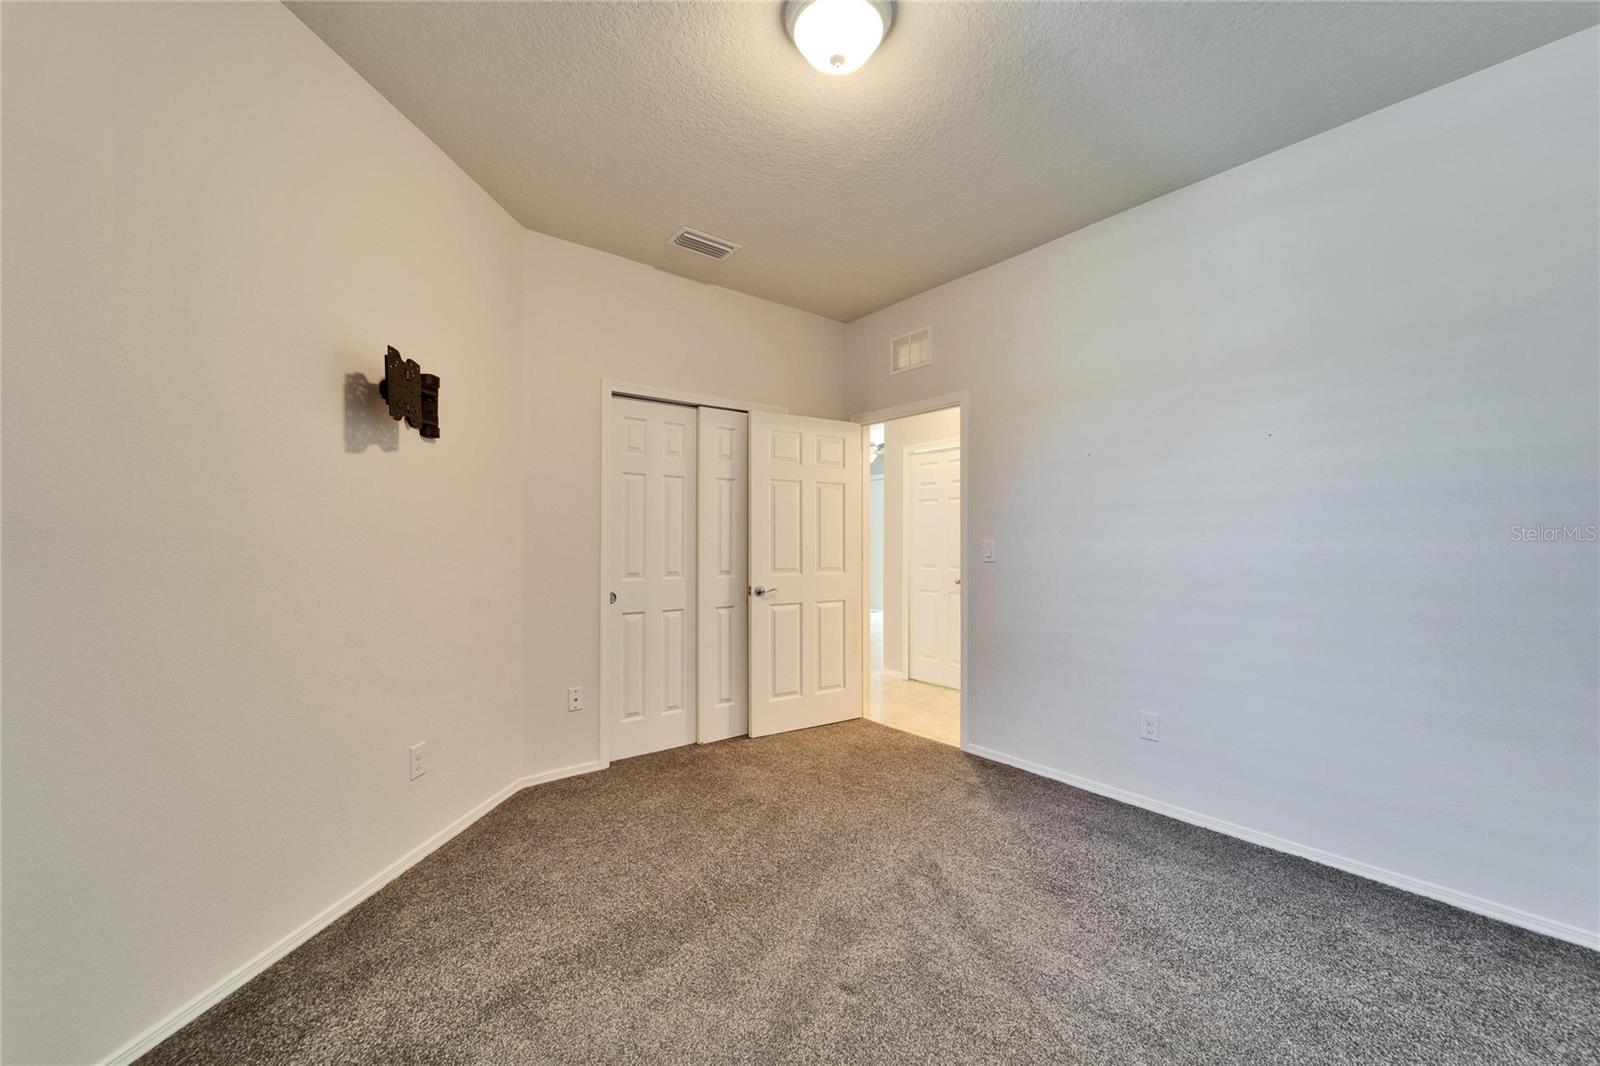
{"x":703,"y":244}
{"x":911,"y":350}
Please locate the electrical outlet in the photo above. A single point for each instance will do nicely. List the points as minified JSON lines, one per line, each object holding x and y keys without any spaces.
{"x":575,"y":698}
{"x":988,"y":550}
{"x":418,"y":768}
{"x":1150,"y":726}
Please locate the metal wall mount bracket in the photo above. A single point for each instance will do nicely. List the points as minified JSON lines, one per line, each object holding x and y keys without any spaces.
{"x":411,"y":394}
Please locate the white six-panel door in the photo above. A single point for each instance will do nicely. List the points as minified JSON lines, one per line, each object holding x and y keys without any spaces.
{"x":805,"y":557}
{"x":650,"y":691}
{"x":724,"y":506}
{"x":934,"y":532}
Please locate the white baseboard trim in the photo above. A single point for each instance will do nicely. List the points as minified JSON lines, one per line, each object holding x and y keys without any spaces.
{"x":1588,"y":938}
{"x":892,"y":675}
{"x":206,"y":1000}
{"x":575,"y":770}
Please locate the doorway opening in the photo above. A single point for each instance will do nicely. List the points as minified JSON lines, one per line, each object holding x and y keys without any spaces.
{"x":914,"y":553}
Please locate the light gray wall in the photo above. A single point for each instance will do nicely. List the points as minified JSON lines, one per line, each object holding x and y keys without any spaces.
{"x":590,"y":317}
{"x":898,"y":435}
{"x":223,"y":629}
{"x":1252,"y":454}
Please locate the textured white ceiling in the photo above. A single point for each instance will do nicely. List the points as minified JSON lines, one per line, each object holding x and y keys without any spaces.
{"x":978,"y":131}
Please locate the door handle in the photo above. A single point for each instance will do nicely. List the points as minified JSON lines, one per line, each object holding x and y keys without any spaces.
{"x":762,"y":591}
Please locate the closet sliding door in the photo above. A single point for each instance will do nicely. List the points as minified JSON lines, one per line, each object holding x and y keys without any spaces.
{"x":805,"y":568}
{"x":651,"y":696}
{"x":724,"y":610}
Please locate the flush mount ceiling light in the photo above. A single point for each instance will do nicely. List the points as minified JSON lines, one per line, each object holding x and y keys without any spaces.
{"x":837,"y":36}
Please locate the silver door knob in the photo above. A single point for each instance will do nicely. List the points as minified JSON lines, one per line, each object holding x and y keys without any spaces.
{"x":761,"y":590}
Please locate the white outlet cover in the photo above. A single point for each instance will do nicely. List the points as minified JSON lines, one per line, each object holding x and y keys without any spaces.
{"x":418,"y":767}
{"x":575,"y":698}
{"x":1150,"y":727}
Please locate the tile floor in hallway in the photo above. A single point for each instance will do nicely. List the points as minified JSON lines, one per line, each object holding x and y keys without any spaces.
{"x":930,"y":711}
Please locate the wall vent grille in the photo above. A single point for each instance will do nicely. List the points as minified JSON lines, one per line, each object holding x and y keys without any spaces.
{"x":692,"y":240}
{"x":911,"y":350}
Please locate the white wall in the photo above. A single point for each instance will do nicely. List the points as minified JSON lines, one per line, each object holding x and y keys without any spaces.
{"x":223,"y":629}
{"x":898,"y":435}
{"x":210,"y":680}
{"x":875,"y":542}
{"x":226,"y":618}
{"x":590,"y":317}
{"x":1252,"y":453}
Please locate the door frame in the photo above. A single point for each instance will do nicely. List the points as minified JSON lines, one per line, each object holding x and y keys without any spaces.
{"x":633,"y":391}
{"x":962,"y":401}
{"x":907,"y":452}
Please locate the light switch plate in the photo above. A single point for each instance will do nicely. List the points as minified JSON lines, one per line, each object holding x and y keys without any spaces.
{"x":988,"y":550}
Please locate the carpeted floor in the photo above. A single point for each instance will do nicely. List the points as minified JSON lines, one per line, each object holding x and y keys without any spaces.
{"x":851,"y":894}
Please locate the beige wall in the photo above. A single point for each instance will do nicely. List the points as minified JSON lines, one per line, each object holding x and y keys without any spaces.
{"x":222,"y":628}
{"x":1253,"y":453}
{"x":1194,"y":434}
{"x":898,"y":435}
{"x":225,"y":619}
{"x":589,"y":317}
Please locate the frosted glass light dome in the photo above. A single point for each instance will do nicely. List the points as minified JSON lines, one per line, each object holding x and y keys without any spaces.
{"x":837,"y":36}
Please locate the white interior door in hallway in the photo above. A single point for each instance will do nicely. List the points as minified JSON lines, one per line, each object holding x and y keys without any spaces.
{"x":806,"y":561}
{"x":933,"y":479}
{"x":650,"y":691}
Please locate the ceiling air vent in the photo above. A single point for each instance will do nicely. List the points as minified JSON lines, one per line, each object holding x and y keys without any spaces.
{"x":705,"y":244}
{"x":911,"y":350}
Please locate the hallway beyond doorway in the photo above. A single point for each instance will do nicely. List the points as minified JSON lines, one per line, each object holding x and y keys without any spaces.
{"x":928,"y":711}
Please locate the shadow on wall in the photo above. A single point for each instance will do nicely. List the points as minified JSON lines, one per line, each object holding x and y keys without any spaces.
{"x":366,"y":417}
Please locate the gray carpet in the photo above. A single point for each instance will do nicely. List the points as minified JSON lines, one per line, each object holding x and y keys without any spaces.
{"x":853,"y":894}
